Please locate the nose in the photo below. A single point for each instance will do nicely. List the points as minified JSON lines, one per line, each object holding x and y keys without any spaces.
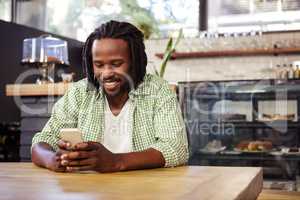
{"x":107,"y":71}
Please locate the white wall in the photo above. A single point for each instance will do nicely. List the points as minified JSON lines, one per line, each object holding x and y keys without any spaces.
{"x":224,"y":68}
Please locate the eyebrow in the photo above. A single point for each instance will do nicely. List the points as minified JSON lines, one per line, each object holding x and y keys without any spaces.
{"x":113,"y":60}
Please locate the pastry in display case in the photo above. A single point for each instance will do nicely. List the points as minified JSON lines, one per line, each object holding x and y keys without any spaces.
{"x":277,"y":117}
{"x":254,"y":146}
{"x":279,"y":110}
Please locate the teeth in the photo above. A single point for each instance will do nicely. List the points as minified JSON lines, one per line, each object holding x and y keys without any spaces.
{"x":110,"y":84}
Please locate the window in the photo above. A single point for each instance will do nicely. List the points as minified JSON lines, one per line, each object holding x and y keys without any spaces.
{"x":31,"y":13}
{"x":76,"y":19}
{"x":158,"y":18}
{"x":171,"y":15}
{"x":5,"y":10}
{"x":248,"y":15}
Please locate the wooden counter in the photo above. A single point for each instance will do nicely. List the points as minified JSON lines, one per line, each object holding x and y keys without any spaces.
{"x":278,"y":195}
{"x":51,"y":89}
{"x":25,"y":181}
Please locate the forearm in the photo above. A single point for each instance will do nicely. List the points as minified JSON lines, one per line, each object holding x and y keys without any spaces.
{"x":42,"y":153}
{"x":149,"y":158}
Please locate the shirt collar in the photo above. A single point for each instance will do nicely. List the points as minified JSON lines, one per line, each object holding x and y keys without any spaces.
{"x":143,"y":89}
{"x":99,"y":93}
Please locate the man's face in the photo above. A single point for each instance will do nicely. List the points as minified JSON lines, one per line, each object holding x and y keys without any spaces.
{"x":111,"y":65}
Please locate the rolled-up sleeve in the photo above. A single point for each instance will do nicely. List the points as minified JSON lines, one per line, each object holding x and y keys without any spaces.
{"x":170,"y":131}
{"x":64,"y":115}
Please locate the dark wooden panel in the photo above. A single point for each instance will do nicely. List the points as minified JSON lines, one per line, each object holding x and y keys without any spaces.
{"x":26,"y":137}
{"x":41,"y":107}
{"x":36,"y":110}
{"x":33,"y":124}
{"x":25,"y":153}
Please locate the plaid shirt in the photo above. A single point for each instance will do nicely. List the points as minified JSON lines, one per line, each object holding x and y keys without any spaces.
{"x":157,"y":120}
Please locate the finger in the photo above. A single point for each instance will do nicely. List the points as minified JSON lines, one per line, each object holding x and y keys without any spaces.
{"x":87,"y":146}
{"x":56,"y":165}
{"x":60,"y":152}
{"x":80,"y":168}
{"x":75,"y":155}
{"x":65,"y":145}
{"x":60,"y":168}
{"x":57,"y":158}
{"x":80,"y":163}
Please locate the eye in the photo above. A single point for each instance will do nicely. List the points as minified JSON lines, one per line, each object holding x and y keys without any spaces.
{"x":98,"y":65}
{"x":117,"y":64}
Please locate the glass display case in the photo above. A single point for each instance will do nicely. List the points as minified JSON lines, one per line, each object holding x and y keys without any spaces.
{"x":244,"y":123}
{"x":44,"y":53}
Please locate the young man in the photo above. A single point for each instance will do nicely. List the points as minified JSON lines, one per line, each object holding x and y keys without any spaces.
{"x":130,"y":119}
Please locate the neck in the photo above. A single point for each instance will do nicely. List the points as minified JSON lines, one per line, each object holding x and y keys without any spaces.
{"x":118,"y":101}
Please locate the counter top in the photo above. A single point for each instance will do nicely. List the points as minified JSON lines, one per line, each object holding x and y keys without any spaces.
{"x":51,"y":89}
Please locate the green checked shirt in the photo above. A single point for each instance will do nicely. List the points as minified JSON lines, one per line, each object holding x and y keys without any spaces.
{"x":157,"y":120}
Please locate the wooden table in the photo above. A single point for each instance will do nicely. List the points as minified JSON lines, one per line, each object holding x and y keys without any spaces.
{"x":25,"y":181}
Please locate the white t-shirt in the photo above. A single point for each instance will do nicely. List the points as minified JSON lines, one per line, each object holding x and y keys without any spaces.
{"x":118,"y":129}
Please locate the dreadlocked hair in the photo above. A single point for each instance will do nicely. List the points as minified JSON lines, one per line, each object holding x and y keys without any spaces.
{"x":118,"y":30}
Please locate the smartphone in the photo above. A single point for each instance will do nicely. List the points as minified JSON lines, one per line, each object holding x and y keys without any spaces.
{"x":72,"y":135}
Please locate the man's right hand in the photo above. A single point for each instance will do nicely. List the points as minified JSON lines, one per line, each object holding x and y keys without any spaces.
{"x":64,"y":145}
{"x":44,"y":155}
{"x":54,"y":162}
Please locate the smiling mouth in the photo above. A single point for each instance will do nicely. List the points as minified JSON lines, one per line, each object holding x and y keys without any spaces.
{"x":110,"y":85}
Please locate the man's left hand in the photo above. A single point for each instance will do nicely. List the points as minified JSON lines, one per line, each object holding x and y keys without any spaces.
{"x":91,"y":156}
